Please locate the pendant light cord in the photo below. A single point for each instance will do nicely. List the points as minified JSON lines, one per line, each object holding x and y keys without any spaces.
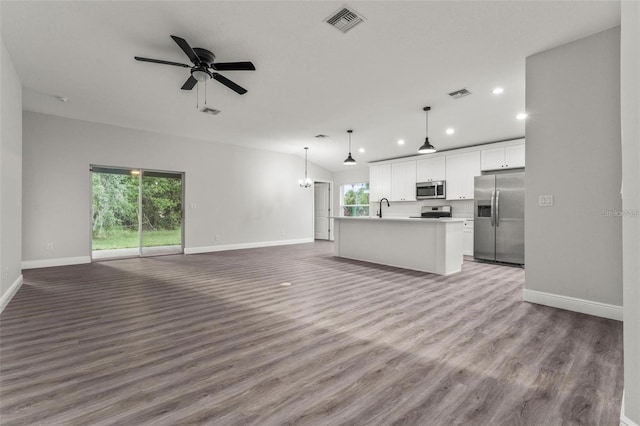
{"x":426,"y":113}
{"x":305,"y":161}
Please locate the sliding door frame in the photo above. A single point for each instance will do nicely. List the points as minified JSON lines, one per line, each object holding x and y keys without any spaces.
{"x":140,"y":174}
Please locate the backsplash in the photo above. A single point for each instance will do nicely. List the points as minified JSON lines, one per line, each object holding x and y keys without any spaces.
{"x":459,"y":208}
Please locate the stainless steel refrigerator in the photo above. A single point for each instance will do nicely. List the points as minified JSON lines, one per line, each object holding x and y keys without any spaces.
{"x":499,"y":218}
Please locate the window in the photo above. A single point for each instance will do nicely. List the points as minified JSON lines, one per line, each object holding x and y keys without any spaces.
{"x":355,"y":199}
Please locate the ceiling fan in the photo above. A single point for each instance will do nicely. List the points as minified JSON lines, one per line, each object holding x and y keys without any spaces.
{"x":204,"y":66}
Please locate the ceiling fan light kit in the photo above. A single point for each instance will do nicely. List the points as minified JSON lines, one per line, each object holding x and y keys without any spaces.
{"x":426,"y":147}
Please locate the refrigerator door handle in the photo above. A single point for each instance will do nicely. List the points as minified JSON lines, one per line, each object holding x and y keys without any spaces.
{"x":497,"y":208}
{"x":493,"y":197}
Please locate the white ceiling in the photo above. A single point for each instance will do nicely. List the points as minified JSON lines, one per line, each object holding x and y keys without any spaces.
{"x":310,"y":78}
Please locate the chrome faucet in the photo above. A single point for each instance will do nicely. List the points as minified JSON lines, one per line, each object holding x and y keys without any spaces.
{"x":380,"y":206}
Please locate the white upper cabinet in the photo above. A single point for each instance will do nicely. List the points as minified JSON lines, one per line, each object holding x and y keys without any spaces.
{"x":396,"y":179}
{"x":379,"y":182}
{"x":504,"y":157}
{"x":430,"y":169}
{"x":403,"y":181}
{"x":461,"y":169}
{"x":514,"y":156}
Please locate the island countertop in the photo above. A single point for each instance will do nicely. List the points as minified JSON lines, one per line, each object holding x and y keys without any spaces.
{"x":413,"y":219}
{"x":428,"y":245}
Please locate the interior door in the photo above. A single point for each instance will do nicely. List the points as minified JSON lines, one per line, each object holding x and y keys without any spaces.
{"x":484,"y":233}
{"x":322,"y":211}
{"x":510,"y":218}
{"x":161,"y":213}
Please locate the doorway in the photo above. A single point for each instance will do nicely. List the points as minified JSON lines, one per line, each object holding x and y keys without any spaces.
{"x":136,"y":212}
{"x":322,"y":210}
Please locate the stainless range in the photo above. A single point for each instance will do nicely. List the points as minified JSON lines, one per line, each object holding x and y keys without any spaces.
{"x":433,"y":212}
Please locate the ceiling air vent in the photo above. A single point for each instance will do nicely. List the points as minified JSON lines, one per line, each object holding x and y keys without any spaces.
{"x":321,"y":136}
{"x":459,"y":93}
{"x":211,"y":111}
{"x":344,"y":19}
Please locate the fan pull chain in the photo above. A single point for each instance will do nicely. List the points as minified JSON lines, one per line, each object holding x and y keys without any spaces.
{"x":205,"y":93}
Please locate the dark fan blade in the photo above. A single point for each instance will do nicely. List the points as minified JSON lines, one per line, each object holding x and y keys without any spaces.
{"x":234,"y":66}
{"x":188,"y":85}
{"x":158,"y":61}
{"x":230,"y":84}
{"x":187,"y":49}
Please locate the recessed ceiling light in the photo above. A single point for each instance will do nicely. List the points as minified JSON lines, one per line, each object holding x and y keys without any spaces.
{"x":400,"y":141}
{"x":521,"y":116}
{"x":62,"y":98}
{"x":361,"y":150}
{"x":497,"y":90}
{"x":450,"y":131}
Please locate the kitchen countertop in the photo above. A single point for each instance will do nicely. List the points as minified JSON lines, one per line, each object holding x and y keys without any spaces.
{"x":402,"y":219}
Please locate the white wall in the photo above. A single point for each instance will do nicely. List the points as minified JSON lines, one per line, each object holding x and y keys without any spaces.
{"x":245,"y":196}
{"x":573,"y":152}
{"x":630,"y":109}
{"x":10,"y":178}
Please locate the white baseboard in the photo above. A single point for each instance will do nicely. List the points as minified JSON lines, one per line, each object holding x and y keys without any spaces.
{"x":8,"y":295}
{"x":64,"y":261}
{"x":225,"y":247}
{"x":573,"y":304}
{"x":624,"y":420}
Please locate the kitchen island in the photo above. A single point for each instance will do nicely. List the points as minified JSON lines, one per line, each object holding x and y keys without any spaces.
{"x":428,"y":245}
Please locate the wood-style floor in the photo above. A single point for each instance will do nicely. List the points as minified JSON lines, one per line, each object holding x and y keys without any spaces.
{"x":216,"y":339}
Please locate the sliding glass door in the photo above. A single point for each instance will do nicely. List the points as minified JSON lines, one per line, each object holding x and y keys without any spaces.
{"x":135,"y":212}
{"x":161,"y":213}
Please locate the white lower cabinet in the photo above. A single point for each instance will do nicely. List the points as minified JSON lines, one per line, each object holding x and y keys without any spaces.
{"x":460,"y":171}
{"x":467,"y":236}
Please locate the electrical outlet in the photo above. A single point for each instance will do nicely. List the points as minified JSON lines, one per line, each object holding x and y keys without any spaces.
{"x":194,"y":206}
{"x":545,"y":200}
{"x":6,"y":273}
{"x":217,"y":237}
{"x":49,"y":246}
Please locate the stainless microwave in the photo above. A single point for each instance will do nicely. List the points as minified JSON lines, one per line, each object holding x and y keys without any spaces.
{"x":435,"y":189}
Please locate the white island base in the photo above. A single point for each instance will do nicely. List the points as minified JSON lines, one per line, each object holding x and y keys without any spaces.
{"x":428,"y":245}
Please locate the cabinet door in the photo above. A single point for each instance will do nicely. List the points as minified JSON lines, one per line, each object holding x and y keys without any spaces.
{"x":430,"y":169}
{"x":386,"y":181}
{"x":410,"y":181}
{"x":379,"y":182}
{"x":403,"y":181}
{"x":467,"y":234}
{"x":461,"y":171}
{"x":492,"y":159}
{"x":375,"y":183}
{"x":471,"y":170}
{"x":514,"y":156}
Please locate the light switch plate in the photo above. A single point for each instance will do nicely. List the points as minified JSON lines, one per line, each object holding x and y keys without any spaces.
{"x":545,"y":200}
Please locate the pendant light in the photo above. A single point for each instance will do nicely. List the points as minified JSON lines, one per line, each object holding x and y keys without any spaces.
{"x":426,"y":147}
{"x":307,"y":182}
{"x":349,"y":160}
